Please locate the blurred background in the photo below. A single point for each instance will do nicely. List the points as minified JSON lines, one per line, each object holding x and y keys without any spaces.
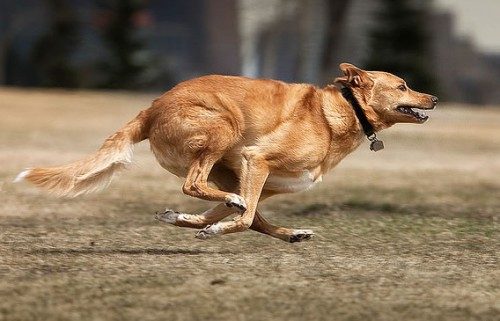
{"x":446,"y":47}
{"x":411,"y":233}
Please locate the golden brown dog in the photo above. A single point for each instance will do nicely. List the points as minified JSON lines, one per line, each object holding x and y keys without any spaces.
{"x":252,"y":138}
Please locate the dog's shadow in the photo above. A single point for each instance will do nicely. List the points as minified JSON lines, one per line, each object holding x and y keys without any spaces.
{"x":124,"y":251}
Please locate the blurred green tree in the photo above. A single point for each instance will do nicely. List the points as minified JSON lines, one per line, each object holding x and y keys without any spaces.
{"x":52,"y":52}
{"x":127,"y":61}
{"x":399,"y":43}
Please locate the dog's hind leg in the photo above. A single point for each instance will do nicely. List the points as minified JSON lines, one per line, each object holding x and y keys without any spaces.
{"x":225,"y":179}
{"x":196,"y":184}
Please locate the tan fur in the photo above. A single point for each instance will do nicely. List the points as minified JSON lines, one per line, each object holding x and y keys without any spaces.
{"x":94,"y":172}
{"x":253,"y":138}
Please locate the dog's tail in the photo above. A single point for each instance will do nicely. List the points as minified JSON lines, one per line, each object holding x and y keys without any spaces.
{"x":94,"y":172}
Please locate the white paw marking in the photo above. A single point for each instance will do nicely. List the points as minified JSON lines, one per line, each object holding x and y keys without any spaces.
{"x":183,"y":217}
{"x":169,"y":216}
{"x":209,"y":231}
{"x":301,"y":235}
{"x":236,"y":200}
{"x":21,"y":176}
{"x":308,"y":232}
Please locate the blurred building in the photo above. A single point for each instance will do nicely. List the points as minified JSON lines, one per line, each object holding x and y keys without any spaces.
{"x":292,"y":40}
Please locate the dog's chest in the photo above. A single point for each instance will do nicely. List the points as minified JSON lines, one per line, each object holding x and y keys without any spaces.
{"x":292,"y":183}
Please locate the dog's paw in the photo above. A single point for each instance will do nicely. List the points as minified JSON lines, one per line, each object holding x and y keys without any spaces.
{"x":208,"y":232}
{"x":169,"y":216}
{"x":236,"y":201}
{"x":301,"y":235}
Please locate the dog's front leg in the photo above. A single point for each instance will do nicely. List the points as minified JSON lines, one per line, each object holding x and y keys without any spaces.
{"x":254,"y":172}
{"x":260,"y":224}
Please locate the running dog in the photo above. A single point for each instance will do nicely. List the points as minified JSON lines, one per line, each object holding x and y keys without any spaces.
{"x":252,"y":138}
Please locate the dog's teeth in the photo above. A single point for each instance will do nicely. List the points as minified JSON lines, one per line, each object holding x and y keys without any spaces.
{"x":412,"y":112}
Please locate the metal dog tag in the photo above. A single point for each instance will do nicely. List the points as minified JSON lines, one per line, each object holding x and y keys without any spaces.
{"x":376,"y":145}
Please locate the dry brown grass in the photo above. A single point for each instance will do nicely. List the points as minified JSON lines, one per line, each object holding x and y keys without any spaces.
{"x":410,"y":233}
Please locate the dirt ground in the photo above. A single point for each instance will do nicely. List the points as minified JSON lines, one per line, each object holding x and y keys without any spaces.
{"x":408,"y":233}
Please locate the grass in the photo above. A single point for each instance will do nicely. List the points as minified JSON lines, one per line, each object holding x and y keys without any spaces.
{"x":409,"y":233}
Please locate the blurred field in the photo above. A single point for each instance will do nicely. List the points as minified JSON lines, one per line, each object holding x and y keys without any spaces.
{"x":409,"y":233}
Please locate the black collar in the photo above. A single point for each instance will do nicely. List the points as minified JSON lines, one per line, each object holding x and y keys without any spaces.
{"x":376,"y":144}
{"x":360,"y":113}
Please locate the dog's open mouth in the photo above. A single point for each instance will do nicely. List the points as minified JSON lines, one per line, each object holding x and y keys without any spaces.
{"x":412,"y":111}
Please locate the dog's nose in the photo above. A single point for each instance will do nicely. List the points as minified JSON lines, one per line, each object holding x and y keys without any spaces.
{"x":434,"y":100}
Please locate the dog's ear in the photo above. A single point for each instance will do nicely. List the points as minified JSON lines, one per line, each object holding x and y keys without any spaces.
{"x":353,"y":76}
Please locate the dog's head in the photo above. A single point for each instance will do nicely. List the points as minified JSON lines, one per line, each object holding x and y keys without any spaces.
{"x":386,"y":98}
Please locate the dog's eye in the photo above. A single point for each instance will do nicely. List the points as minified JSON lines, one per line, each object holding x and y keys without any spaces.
{"x":402,"y":87}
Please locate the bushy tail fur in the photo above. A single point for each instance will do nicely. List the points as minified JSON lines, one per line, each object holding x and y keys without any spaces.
{"x":94,"y":172}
